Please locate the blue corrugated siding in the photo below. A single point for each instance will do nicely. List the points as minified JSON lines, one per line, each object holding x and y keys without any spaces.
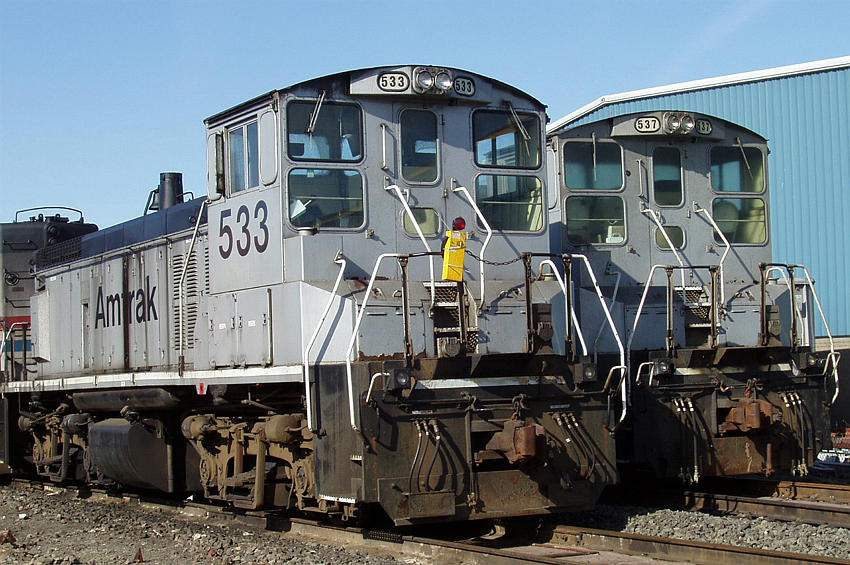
{"x":806,"y":119}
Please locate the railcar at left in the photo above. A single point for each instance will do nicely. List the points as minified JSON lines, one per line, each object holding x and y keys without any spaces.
{"x":312,"y":335}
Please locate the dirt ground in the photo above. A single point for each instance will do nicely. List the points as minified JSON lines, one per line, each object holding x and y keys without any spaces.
{"x":55,"y":527}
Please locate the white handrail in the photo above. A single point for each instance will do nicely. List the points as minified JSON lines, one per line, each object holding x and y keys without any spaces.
{"x":353,"y":340}
{"x":409,"y":212}
{"x":700,"y":210}
{"x":622,"y":367}
{"x":183,"y":272}
{"x":571,"y":314}
{"x":784,"y":275}
{"x":306,"y":357}
{"x":483,"y":220}
{"x":657,"y":220}
{"x":834,"y":355}
{"x":602,"y":323}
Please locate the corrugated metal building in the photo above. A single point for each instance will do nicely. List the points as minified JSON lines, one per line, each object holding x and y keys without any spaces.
{"x":804,"y":112}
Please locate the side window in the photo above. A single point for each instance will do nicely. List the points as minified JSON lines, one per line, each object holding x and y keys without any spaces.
{"x":419,"y":146}
{"x":506,"y":140}
{"x":737,"y":169}
{"x":592,"y":165}
{"x":598,"y":220}
{"x":742,"y":220}
{"x":510,"y":202}
{"x":428,"y":220}
{"x":667,"y":176}
{"x":325,"y":198}
{"x":243,"y":157}
{"x":676,"y":235}
{"x":324,"y":131}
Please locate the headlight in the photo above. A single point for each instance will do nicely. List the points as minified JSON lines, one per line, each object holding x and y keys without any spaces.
{"x":672,"y":122}
{"x":424,"y":80}
{"x":687,"y":123}
{"x":443,"y":81}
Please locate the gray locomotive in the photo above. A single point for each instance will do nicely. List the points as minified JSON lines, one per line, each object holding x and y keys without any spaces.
{"x":309,"y":336}
{"x":672,"y":208}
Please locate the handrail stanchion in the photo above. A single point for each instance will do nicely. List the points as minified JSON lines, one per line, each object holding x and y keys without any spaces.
{"x":409,"y":212}
{"x":6,"y":336}
{"x":463,"y":190}
{"x":834,"y":355}
{"x":353,"y":340}
{"x":569,"y":309}
{"x":648,"y":211}
{"x":308,"y":397}
{"x":700,"y":210}
{"x":187,"y":258}
{"x":602,"y":323}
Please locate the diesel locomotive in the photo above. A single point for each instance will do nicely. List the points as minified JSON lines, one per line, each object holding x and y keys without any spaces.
{"x":363,"y":313}
{"x":672,"y":207}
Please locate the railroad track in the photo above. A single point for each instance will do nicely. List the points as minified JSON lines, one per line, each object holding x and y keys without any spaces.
{"x":553,"y":544}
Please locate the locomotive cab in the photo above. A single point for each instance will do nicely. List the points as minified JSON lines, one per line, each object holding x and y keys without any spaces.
{"x":673,"y":207}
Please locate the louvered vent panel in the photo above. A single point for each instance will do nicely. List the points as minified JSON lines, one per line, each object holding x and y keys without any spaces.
{"x":190,"y":300}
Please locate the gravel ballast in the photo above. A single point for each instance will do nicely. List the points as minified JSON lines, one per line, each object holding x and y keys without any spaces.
{"x":738,"y":530}
{"x":57,"y":528}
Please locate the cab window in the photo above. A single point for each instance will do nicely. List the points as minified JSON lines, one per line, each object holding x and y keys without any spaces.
{"x":506,"y":140}
{"x":330,"y":131}
{"x":667,"y":176}
{"x":592,"y":165}
{"x":598,"y":220}
{"x":325,"y":198}
{"x":737,"y":169}
{"x":428,"y":220}
{"x":510,"y":202}
{"x":242,"y":157}
{"x":419,"y":146}
{"x":741,"y":220}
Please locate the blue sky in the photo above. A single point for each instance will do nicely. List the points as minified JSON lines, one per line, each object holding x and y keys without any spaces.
{"x":96,"y":98}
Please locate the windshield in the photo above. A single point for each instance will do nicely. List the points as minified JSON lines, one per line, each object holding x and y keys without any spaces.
{"x":337,"y":133}
{"x":507,"y":140}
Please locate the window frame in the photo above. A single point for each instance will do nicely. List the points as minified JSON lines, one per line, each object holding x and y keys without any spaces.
{"x":544,"y":208}
{"x":684,"y":238}
{"x":364,"y":188}
{"x":441,"y":223}
{"x":541,"y":141}
{"x":764,"y":156}
{"x":298,"y":162}
{"x":243,"y":124}
{"x":681,"y":177}
{"x":563,"y":166}
{"x":748,"y":196}
{"x":610,"y":194}
{"x":436,"y":181}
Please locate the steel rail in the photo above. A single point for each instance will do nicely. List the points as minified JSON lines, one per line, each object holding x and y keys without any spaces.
{"x":671,"y":549}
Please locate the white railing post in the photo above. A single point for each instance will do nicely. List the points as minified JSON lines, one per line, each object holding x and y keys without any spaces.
{"x":353,"y":340}
{"x":570,"y":313}
{"x":180,"y":293}
{"x":308,"y":397}
{"x":463,"y":190}
{"x":700,"y":210}
{"x":409,"y":213}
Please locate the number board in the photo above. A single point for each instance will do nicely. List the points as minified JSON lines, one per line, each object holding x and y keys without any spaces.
{"x":393,"y":82}
{"x":244,"y":242}
{"x":464,"y":86}
{"x":647,"y":124}
{"x":704,"y":127}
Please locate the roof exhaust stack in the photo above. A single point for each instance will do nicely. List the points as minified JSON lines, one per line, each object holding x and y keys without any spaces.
{"x":170,"y":191}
